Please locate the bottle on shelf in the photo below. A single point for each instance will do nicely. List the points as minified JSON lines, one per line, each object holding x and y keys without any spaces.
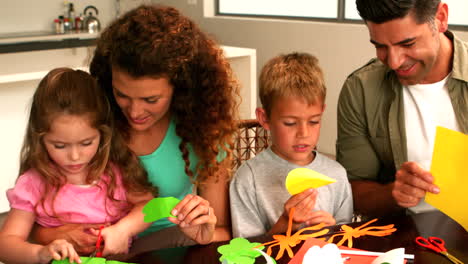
{"x":71,"y":16}
{"x":60,"y":25}
{"x":67,"y":25}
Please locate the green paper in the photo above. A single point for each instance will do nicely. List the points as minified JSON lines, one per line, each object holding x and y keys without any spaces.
{"x":84,"y":260}
{"x":88,"y":260}
{"x":239,"y":251}
{"x":117,"y":262}
{"x":158,"y":208}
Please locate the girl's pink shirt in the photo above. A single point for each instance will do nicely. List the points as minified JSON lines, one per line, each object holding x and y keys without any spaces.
{"x":73,"y":203}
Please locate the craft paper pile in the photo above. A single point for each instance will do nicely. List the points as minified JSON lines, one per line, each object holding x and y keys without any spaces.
{"x":449,"y":161}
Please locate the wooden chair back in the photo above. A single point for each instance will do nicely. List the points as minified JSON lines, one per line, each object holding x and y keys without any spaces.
{"x":251,"y":139}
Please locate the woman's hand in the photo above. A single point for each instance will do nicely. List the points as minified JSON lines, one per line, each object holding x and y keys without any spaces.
{"x":116,"y":240}
{"x":76,"y":234}
{"x":59,"y":249}
{"x":196,"y":218}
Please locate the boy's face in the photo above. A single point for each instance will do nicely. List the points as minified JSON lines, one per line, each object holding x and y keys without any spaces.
{"x":294,"y":126}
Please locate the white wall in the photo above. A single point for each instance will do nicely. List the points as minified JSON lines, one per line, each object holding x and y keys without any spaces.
{"x":340,"y":48}
{"x":38,"y":15}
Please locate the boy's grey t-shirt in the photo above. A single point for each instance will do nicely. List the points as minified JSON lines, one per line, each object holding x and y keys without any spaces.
{"x":258,"y":192}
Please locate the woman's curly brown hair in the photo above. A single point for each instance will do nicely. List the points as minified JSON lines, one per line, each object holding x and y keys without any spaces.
{"x":158,"y":41}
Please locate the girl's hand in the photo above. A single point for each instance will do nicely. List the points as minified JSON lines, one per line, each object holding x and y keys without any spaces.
{"x":115,"y":240}
{"x":196,"y":219}
{"x":59,"y":249}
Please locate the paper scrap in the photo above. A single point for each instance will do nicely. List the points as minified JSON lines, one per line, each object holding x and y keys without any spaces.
{"x":158,"y":208}
{"x":239,"y":251}
{"x":328,"y":254}
{"x":301,"y":179}
{"x":450,"y":173}
{"x":394,"y":256}
{"x":354,"y":259}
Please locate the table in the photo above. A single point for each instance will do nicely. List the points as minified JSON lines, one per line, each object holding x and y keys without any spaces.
{"x":408,"y":228}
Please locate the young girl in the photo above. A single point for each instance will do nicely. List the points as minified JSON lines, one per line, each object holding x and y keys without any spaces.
{"x":73,"y":170}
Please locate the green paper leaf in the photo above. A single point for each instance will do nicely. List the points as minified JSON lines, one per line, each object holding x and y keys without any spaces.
{"x":84,"y":260}
{"x":158,"y":208}
{"x":239,"y":251}
{"x":88,"y":260}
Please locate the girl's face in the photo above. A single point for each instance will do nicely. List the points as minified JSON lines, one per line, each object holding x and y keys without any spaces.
{"x":144,"y":101}
{"x":72,"y":143}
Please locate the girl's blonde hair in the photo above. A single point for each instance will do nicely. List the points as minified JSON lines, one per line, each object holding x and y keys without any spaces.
{"x":75,"y":92}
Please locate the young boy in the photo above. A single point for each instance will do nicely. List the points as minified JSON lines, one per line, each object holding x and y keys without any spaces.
{"x":292,"y":93}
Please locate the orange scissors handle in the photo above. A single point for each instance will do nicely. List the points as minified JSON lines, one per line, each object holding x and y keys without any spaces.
{"x":438,"y":245}
{"x":433,"y":243}
{"x":99,"y":242}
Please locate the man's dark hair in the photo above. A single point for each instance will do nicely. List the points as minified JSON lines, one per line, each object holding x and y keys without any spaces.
{"x":380,"y":11}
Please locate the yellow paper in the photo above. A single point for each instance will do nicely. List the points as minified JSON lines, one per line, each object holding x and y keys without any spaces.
{"x":449,"y":168}
{"x":301,"y":179}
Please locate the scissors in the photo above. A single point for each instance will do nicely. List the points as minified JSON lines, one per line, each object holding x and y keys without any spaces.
{"x":438,"y":245}
{"x":98,"y":251}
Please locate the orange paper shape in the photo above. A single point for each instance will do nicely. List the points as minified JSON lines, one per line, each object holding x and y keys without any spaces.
{"x":288,"y":241}
{"x":348,"y":232}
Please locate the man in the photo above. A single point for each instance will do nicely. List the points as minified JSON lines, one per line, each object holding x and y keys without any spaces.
{"x":389,"y":108}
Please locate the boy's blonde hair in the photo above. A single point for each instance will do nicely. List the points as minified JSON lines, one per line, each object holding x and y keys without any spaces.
{"x":293,"y":74}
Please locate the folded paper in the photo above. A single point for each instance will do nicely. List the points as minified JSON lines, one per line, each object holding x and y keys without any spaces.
{"x":301,"y":179}
{"x":449,"y":169}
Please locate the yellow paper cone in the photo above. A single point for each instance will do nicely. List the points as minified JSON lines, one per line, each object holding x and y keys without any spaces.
{"x":301,"y":179}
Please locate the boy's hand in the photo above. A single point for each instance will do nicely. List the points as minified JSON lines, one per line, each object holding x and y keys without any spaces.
{"x":321,"y":217}
{"x":304,"y":203}
{"x":59,"y":249}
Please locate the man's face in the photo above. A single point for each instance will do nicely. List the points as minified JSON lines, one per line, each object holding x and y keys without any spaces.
{"x":412,"y":50}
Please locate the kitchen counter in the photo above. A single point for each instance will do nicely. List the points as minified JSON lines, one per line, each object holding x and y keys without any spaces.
{"x":44,"y":40}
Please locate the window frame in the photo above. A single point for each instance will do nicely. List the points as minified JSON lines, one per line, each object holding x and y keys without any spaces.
{"x":340,"y":18}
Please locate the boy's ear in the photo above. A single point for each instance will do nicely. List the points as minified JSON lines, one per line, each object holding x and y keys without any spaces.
{"x":262,"y":117}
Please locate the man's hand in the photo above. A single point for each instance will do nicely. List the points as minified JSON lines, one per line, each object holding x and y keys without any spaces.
{"x":77,"y":234}
{"x":411,"y":184}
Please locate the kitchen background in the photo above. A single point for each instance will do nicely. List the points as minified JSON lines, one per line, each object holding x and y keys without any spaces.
{"x":31,"y":16}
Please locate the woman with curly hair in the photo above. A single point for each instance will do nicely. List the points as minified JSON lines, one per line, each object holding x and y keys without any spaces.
{"x":174,"y":99}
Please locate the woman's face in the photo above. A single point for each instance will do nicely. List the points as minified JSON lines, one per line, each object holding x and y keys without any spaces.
{"x":144,"y":101}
